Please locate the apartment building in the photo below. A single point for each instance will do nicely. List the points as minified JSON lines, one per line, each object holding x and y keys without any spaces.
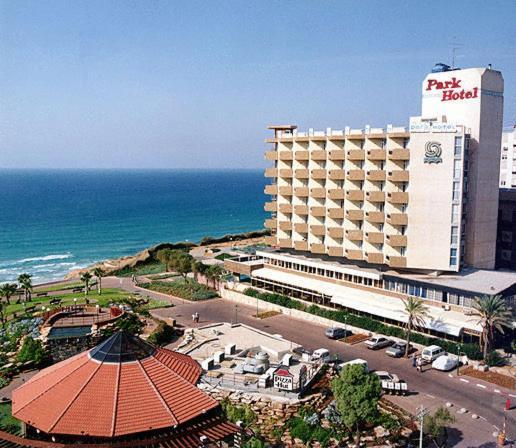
{"x":421,"y":198}
{"x":508,"y":159}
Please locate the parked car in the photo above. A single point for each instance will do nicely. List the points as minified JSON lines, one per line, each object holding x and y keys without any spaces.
{"x":321,"y":354}
{"x":386,"y":376}
{"x":431,"y":353}
{"x":336,"y":333}
{"x":445,"y":363}
{"x":377,"y":342}
{"x":359,"y":361}
{"x":397,"y":350}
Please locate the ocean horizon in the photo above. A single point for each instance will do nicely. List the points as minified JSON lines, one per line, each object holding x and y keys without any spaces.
{"x":56,"y":220}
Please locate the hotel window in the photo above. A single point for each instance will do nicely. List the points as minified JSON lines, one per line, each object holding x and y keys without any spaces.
{"x":383,"y":143}
{"x":453,"y":257}
{"x":456,"y":191}
{"x":403,"y":229}
{"x":458,"y":146}
{"x":455,"y":213}
{"x":402,"y":251}
{"x":405,"y":142}
{"x":454,"y":235}
{"x":381,"y":185}
{"x":457,"y":169}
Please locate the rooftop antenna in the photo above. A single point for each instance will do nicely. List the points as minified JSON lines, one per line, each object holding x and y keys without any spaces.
{"x":455,"y":46}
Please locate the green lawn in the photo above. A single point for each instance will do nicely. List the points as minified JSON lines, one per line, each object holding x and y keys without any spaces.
{"x":145,"y":268}
{"x":60,"y":286}
{"x":7,"y":422}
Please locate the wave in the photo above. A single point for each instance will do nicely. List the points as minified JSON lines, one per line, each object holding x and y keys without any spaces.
{"x":45,"y":258}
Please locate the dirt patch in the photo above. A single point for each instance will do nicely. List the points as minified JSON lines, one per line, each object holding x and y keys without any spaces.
{"x":491,"y":377}
{"x":355,"y":339}
{"x":267,"y":314}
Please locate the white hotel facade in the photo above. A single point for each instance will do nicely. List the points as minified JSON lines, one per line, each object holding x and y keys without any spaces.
{"x":361,"y":218}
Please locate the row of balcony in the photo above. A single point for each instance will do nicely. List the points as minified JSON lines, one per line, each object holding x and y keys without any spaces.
{"x":288,"y":138}
{"x":396,"y":219}
{"x":354,"y":174}
{"x":340,"y":154}
{"x":394,"y":197}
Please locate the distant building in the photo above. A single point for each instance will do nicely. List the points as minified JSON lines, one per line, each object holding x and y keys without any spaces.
{"x":508,"y":159}
{"x":506,"y":239}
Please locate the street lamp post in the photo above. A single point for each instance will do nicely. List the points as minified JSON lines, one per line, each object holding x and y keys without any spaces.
{"x":458,"y":359}
{"x":236,"y":314}
{"x":421,"y":412}
{"x":345,"y":326}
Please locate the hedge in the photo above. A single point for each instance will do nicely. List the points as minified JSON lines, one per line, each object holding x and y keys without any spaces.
{"x":364,"y":322}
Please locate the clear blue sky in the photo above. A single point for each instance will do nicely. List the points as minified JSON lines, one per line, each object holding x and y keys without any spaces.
{"x":174,"y":84}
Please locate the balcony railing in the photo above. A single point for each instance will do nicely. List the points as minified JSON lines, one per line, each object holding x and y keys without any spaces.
{"x":336,"y":213}
{"x":270,"y":206}
{"x":398,"y":197}
{"x":285,"y":173}
{"x":337,"y":154}
{"x":301,"y":155}
{"x":375,"y":196}
{"x":398,"y":176}
{"x":376,"y":154}
{"x":356,"y":154}
{"x":396,"y":262}
{"x":271,"y":223}
{"x":375,"y":237}
{"x":285,"y":225}
{"x":301,"y":227}
{"x":318,"y":193}
{"x":318,"y":154}
{"x":271,"y":189}
{"x":335,"y":251}
{"x":355,"y":175}
{"x":317,"y":229}
{"x":336,"y":174}
{"x":285,"y":191}
{"x":301,"y":192}
{"x":285,"y":208}
{"x":353,"y":254}
{"x":318,"y":174}
{"x":397,"y":219}
{"x":301,"y":245}
{"x":399,"y":154}
{"x":354,"y":235}
{"x":301,"y":209}
{"x":374,"y":257}
{"x":336,"y":194}
{"x":317,"y":248}
{"x":336,"y":232}
{"x":302,"y":173}
{"x":285,"y":243}
{"x":355,"y":215}
{"x":377,"y":217}
{"x":271,"y":172}
{"x":354,"y":195}
{"x":397,"y":240}
{"x":318,"y":211}
{"x":271,"y":155}
{"x":286,"y":155}
{"x":376,"y":175}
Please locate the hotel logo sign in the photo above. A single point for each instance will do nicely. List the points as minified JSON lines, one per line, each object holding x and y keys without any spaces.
{"x":433,"y":152}
{"x":452,"y":90}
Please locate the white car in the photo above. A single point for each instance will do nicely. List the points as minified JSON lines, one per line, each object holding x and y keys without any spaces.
{"x":386,"y":376}
{"x":377,"y":342}
{"x":321,"y":355}
{"x":359,"y":361}
{"x":445,"y":363}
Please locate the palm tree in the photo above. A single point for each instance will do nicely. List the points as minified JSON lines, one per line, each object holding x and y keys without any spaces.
{"x":26,"y":283}
{"x":7,"y":290}
{"x":3,"y":313}
{"x":416,"y":312}
{"x":99,"y":273}
{"x":214,"y":272}
{"x":494,"y":314}
{"x":85,"y":278}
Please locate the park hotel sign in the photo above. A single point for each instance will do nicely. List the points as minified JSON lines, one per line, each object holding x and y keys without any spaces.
{"x":451,"y":90}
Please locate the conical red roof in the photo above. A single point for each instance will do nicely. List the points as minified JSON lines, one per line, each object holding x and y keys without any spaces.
{"x":122,"y":386}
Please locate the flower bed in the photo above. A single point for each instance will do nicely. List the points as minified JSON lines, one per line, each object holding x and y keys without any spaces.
{"x":185,"y":289}
{"x":490,"y":377}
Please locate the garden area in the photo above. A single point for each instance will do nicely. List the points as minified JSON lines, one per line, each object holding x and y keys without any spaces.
{"x":187,"y":289}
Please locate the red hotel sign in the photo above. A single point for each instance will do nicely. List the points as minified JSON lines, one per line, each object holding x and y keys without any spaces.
{"x":449,"y":89}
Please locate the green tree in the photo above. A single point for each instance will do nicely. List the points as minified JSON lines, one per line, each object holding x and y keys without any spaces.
{"x":7,"y":290}
{"x":3,"y":313}
{"x":357,"y":393}
{"x":99,"y":273}
{"x":86,"y":278}
{"x":198,"y":268}
{"x":214,"y":273}
{"x":416,"y":312}
{"x":165,"y":257}
{"x":494,"y":314}
{"x":25,"y":281}
{"x":435,"y":426}
{"x":31,"y":350}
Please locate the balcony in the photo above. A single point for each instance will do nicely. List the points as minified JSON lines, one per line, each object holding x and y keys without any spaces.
{"x":271,"y":240}
{"x":336,"y":194}
{"x":376,"y":217}
{"x":336,"y":174}
{"x":271,"y":172}
{"x":286,"y":173}
{"x":374,"y":237}
{"x":318,"y":193}
{"x":376,"y":154}
{"x":354,"y":235}
{"x":318,"y":154}
{"x":301,"y":245}
{"x":301,"y":155}
{"x":317,"y":249}
{"x":285,"y":191}
{"x":399,"y":154}
{"x":318,"y":211}
{"x":301,"y":227}
{"x":355,"y":175}
{"x":286,"y":155}
{"x":396,"y":262}
{"x":397,"y":219}
{"x":353,"y":254}
{"x":376,"y":175}
{"x":285,"y":225}
{"x":302,"y":174}
{"x":374,"y":257}
{"x":354,"y":195}
{"x":318,"y":229}
{"x":271,"y":189}
{"x":271,"y":223}
{"x":337,"y":154}
{"x":335,"y":251}
{"x":336,"y":232}
{"x":318,"y":174}
{"x":270,"y":206}
{"x":271,"y":155}
{"x":397,"y":240}
{"x":301,"y":209}
{"x":355,"y":215}
{"x":285,"y":208}
{"x":302,"y":192}
{"x":398,"y":197}
{"x":336,"y":213}
{"x":398,"y":176}
{"x":375,"y":196}
{"x":356,"y":154}
{"x":285,"y":243}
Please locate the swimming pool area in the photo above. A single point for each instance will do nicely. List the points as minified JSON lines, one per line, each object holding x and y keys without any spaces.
{"x":69,"y":332}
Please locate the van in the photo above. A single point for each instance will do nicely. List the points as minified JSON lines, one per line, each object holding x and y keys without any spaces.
{"x":431,"y":353}
{"x":321,"y":355}
{"x":358,"y":361}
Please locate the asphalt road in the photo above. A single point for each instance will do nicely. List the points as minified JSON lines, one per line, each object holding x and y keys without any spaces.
{"x":478,"y":397}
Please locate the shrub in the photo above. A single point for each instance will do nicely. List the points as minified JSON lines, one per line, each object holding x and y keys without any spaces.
{"x":32,"y":350}
{"x":494,"y":359}
{"x":238,"y":413}
{"x":163,"y":334}
{"x":130,"y":323}
{"x":185,"y":289}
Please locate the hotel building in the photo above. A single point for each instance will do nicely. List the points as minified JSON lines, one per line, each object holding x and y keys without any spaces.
{"x":508,"y":159}
{"x":363,"y":217}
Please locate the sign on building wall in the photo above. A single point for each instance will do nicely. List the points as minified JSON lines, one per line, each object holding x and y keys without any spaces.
{"x":451,"y":89}
{"x":283,"y":379}
{"x":433,"y":152}
{"x":432,"y":126}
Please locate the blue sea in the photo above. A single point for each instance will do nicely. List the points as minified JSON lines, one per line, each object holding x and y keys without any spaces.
{"x":52,"y":221}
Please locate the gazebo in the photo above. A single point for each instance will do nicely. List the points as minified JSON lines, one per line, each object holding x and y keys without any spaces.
{"x":123,"y":392}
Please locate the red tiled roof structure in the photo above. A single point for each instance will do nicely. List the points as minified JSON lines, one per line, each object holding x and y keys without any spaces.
{"x":123,"y":386}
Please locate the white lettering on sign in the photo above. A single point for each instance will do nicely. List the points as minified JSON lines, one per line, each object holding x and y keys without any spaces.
{"x":283,"y":382}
